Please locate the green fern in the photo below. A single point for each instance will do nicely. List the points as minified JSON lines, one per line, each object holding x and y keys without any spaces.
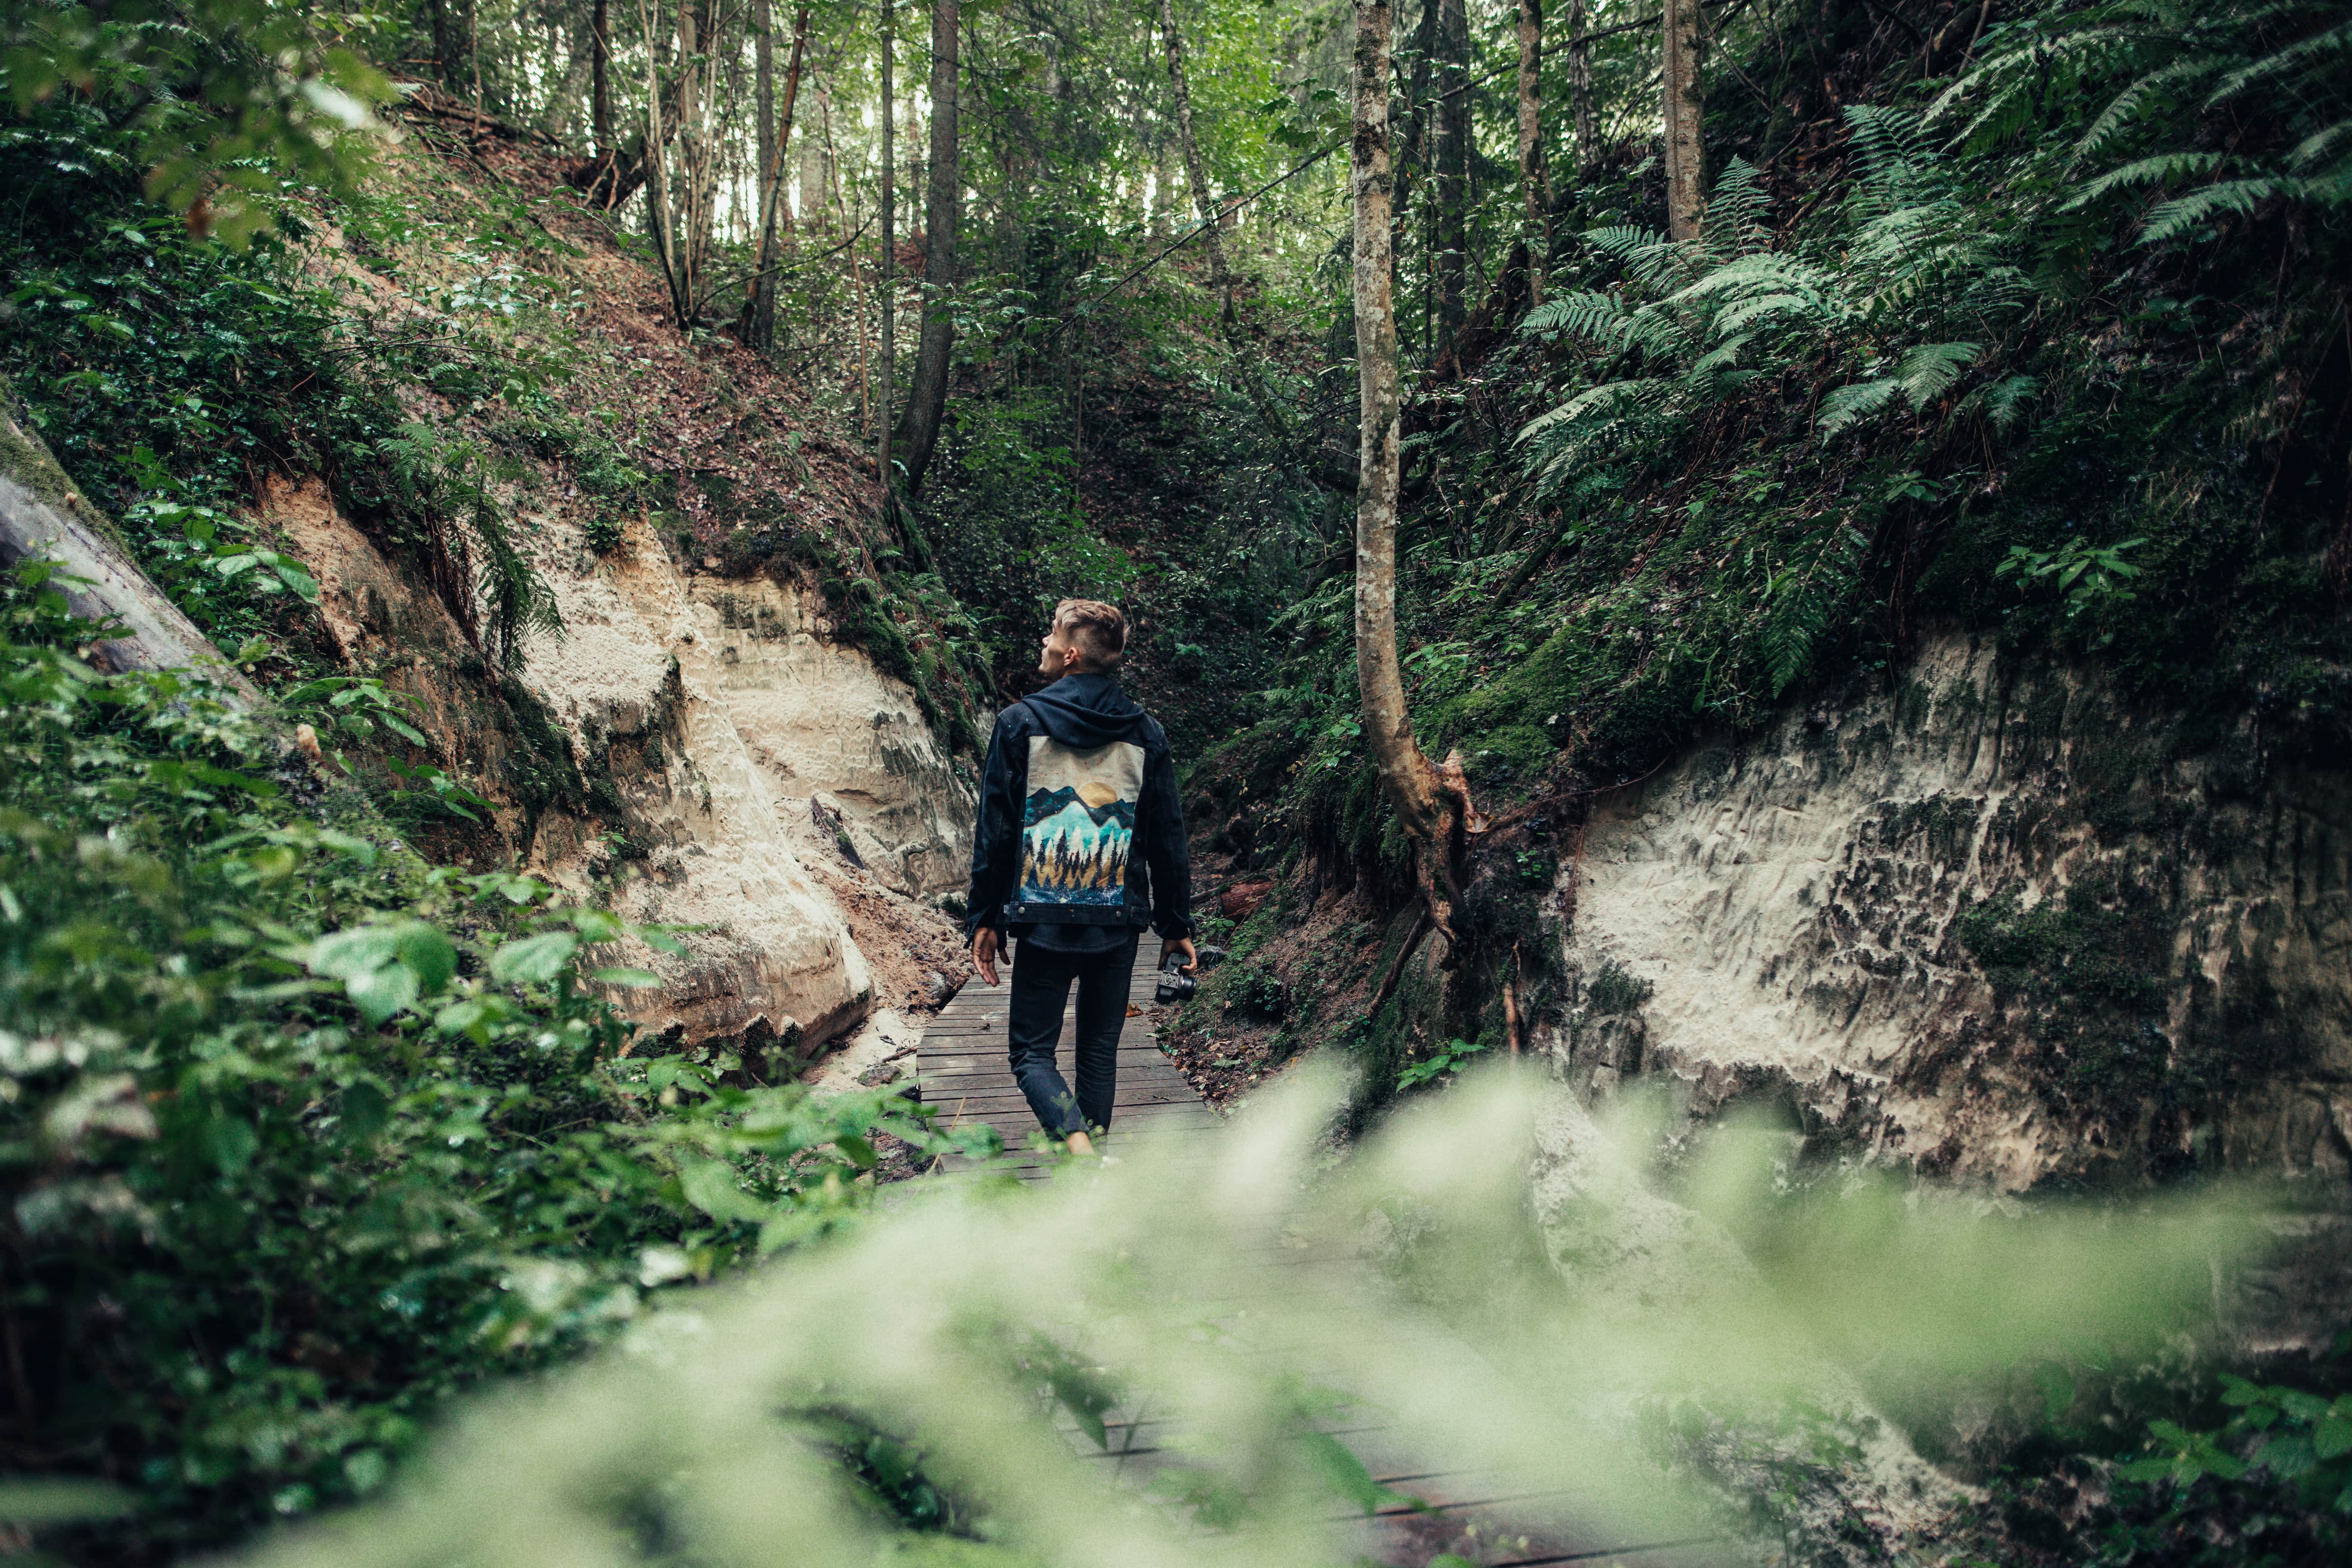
{"x":2193,"y":210}
{"x":1735,"y":224}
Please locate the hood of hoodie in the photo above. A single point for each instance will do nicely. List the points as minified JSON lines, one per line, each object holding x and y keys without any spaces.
{"x":1083,"y":711}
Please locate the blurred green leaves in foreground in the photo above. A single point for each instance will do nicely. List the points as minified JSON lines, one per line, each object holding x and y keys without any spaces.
{"x":230,"y":103}
{"x":1637,"y":1345}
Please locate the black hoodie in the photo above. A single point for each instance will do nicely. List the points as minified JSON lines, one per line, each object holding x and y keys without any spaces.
{"x":1083,"y":713}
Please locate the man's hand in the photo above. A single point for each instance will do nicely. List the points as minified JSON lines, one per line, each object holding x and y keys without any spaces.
{"x":1183,"y":945}
{"x":984,"y":944}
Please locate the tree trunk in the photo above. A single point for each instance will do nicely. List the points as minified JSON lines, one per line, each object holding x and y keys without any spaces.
{"x":445,"y":42}
{"x":698,"y":53}
{"x":656,"y":179}
{"x":758,"y":328}
{"x":1219,"y":277}
{"x":1535,"y":183}
{"x":1580,"y":86}
{"x":814,"y":208}
{"x":43,"y":517}
{"x":1410,"y":784}
{"x":600,"y":94}
{"x":763,"y":109}
{"x":926,"y":399}
{"x":887,"y":291}
{"x":1686,"y":174}
{"x":1420,"y":111}
{"x":1453,"y":171}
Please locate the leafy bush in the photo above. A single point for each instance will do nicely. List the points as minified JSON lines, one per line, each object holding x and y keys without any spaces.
{"x":299,"y":1134}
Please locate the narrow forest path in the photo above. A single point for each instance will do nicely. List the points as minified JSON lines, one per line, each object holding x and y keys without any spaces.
{"x":1485,"y":1517}
{"x":965,"y":1070}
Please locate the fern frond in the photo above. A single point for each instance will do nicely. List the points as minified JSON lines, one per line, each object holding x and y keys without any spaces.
{"x":1795,"y":615}
{"x":1723,"y":356}
{"x":1896,"y":158}
{"x":2162,"y":168}
{"x":1587,"y":314}
{"x":1624,"y":241}
{"x":2310,"y":51}
{"x":2186,"y":212}
{"x":1607,"y":396}
{"x":1850,"y":403}
{"x":2313,"y":148}
{"x":1929,"y":371}
{"x":1747,"y":311}
{"x":2002,"y":401}
{"x":1735,"y":222}
{"x":1658,"y":332}
{"x":1766,"y":269}
{"x":2128,"y":105}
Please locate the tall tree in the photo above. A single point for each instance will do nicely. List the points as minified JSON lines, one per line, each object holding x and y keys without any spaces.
{"x":1414,"y":788}
{"x":1535,"y":182}
{"x":1579,"y":86}
{"x":1421,"y":109}
{"x":759,"y":327}
{"x":600,"y":92}
{"x":698,"y":164}
{"x":1195,"y":171}
{"x":1686,"y":174}
{"x":887,"y":304}
{"x":1453,"y":77}
{"x":763,"y":105}
{"x":657,"y":178}
{"x":448,"y":47}
{"x":927,"y":398}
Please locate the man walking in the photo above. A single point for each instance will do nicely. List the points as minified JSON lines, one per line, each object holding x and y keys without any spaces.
{"x":1080,"y":845}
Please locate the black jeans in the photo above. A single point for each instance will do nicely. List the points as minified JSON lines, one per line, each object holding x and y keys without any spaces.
{"x":1041,"y":986}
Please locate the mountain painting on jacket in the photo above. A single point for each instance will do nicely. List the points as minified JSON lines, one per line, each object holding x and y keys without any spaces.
{"x":1078,"y":824}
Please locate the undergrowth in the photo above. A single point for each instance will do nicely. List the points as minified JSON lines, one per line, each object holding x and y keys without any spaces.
{"x":299,"y":1134}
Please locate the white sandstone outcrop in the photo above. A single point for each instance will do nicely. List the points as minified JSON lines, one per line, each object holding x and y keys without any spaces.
{"x":704,"y":717}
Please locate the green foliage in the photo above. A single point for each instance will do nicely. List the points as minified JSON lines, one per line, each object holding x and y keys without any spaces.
{"x":2295,"y":1436}
{"x":1253,"y":989}
{"x":1446,"y":1060}
{"x":217,"y":101}
{"x":2089,"y":576}
{"x":301,"y":1135}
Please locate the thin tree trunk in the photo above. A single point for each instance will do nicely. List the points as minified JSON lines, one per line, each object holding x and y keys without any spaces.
{"x":1580,"y":86}
{"x":1686,"y":174}
{"x":445,"y":41}
{"x":1453,"y":171}
{"x":814,"y":206}
{"x":857,"y":288}
{"x":698,"y":51}
{"x":657,"y":178}
{"x":926,"y":399}
{"x":1535,"y":182}
{"x":1412,"y":785}
{"x":763,"y":109}
{"x":1419,"y":114}
{"x":887,"y":291}
{"x":600,"y":94}
{"x":1219,"y":277}
{"x":760,"y":310}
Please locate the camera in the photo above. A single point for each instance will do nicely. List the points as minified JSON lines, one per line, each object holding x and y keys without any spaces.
{"x":1174,"y":985}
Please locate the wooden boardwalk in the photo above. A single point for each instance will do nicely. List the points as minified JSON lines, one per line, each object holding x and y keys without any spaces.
{"x":964,"y":1068}
{"x":1491,"y":1519}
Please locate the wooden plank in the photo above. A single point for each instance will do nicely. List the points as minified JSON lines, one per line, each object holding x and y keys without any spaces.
{"x":946,"y":1062}
{"x":1007,"y":1096}
{"x":1008,"y":1102}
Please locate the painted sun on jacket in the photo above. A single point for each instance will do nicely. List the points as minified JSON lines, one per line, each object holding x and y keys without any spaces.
{"x":1078,"y":825}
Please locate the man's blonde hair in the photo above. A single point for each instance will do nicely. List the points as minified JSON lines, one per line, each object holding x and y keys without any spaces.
{"x":1098,"y":631}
